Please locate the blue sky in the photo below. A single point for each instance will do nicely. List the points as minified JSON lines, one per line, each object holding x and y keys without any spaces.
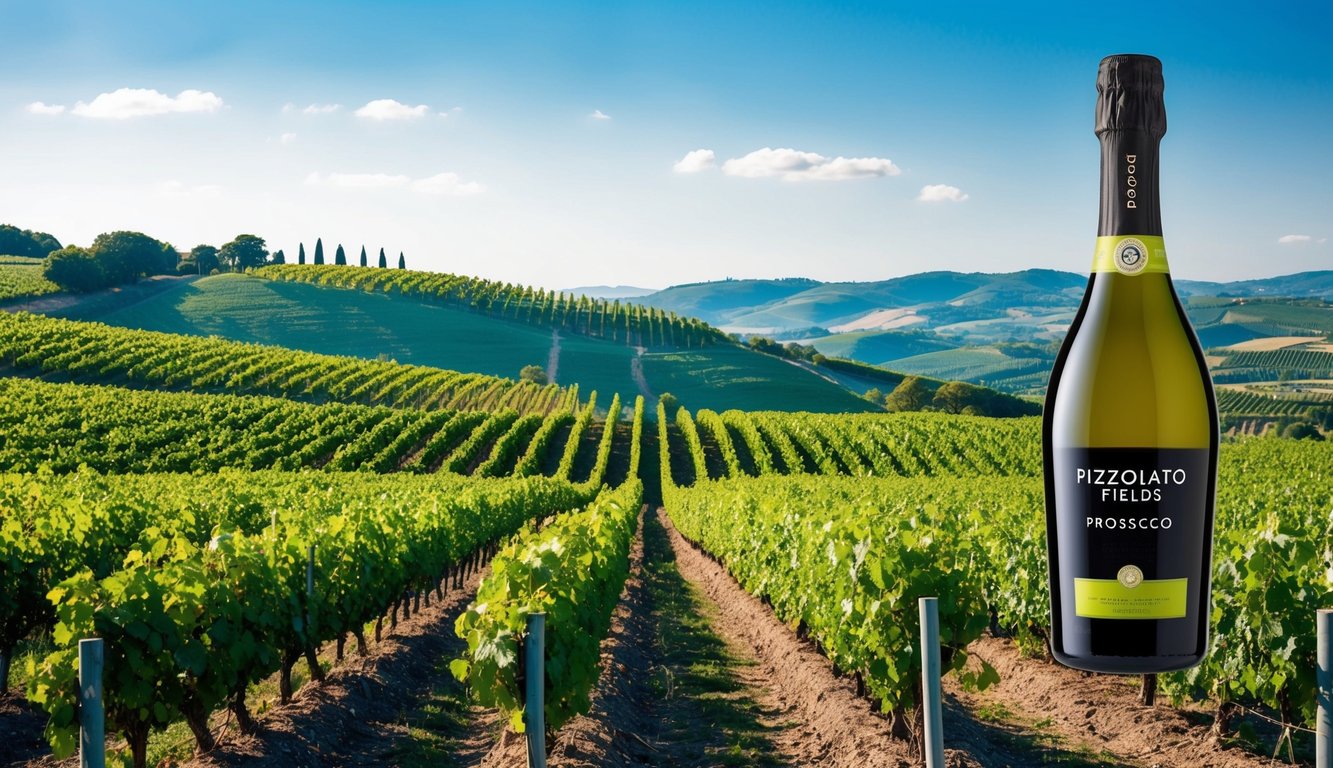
{"x":545,"y":143}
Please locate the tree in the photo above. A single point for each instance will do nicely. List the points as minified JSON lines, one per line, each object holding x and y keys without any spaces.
{"x":340,"y":257}
{"x":668,"y":401}
{"x":956,"y":396}
{"x":300,"y":255}
{"x":533,"y":373}
{"x":75,"y":269}
{"x":874,"y":395}
{"x":25,"y":242}
{"x":363,"y":256}
{"x":205,"y":258}
{"x":319,"y":250}
{"x":244,"y":252}
{"x":1300,"y":430}
{"x":384,"y":264}
{"x":767,"y":346}
{"x":402,"y":263}
{"x":127,"y":256}
{"x":911,"y":394}
{"x":278,"y":257}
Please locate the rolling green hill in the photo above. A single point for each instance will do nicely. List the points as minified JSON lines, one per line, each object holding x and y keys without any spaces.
{"x":941,"y":298}
{"x":880,"y":347}
{"x":378,"y":325}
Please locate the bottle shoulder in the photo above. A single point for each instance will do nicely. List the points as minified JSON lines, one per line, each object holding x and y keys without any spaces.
{"x":1131,"y":372}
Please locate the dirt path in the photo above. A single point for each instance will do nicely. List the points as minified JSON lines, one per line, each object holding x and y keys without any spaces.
{"x":399,"y":706}
{"x":636,"y":373}
{"x":671,"y":693}
{"x":553,"y":360}
{"x":1100,"y":711}
{"x":831,"y":725}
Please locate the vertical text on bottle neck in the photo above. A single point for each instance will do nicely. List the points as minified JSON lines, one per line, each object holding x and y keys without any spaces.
{"x":1130,"y":203}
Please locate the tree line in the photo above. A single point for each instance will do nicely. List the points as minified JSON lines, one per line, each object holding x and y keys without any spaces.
{"x":25,"y":242}
{"x":121,"y":257}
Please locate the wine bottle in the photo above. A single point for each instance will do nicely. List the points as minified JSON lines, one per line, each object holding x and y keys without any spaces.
{"x":1130,"y":430}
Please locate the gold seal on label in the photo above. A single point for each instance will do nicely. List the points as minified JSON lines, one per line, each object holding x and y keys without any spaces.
{"x":1130,"y":576}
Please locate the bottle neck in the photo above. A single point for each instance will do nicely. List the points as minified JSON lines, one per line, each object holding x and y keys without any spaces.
{"x":1131,"y":203}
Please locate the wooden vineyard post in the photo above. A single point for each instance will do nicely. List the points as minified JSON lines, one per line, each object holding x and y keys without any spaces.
{"x":92,"y":718}
{"x":1324,"y":690}
{"x":930,"y":681}
{"x":534,"y":699}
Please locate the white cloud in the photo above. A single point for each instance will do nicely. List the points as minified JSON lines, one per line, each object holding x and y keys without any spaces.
{"x":125,"y":103}
{"x":1294,"y":239}
{"x":390,"y":109}
{"x":311,"y":109}
{"x":287,"y":138}
{"x":42,"y":108}
{"x":941,"y":193}
{"x":446,"y":184}
{"x":696,"y":161}
{"x":598,"y":114}
{"x":794,"y":165}
{"x":440,"y":184}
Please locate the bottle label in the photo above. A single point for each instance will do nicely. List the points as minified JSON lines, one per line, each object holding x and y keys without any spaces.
{"x":1130,"y":254}
{"x":1131,"y":528}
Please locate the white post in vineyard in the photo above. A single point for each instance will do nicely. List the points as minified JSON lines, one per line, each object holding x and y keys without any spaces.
{"x":92,"y":717}
{"x":1324,"y":690}
{"x":930,"y":681}
{"x":534,"y":699}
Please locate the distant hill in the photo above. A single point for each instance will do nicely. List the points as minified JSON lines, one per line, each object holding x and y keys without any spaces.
{"x":1311,"y":285}
{"x":935,"y":299}
{"x":609,"y":291}
{"x":1001,"y":330}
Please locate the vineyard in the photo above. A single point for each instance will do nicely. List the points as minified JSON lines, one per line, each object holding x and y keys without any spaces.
{"x":632,"y":324}
{"x":91,"y":352}
{"x":844,"y":558}
{"x":241,"y":523}
{"x":22,"y":278}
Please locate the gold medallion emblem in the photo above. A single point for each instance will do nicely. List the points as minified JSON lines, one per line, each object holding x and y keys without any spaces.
{"x":1130,"y":576}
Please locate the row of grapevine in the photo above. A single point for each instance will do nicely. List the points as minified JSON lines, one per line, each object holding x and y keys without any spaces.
{"x":845,"y":560}
{"x":604,"y":444}
{"x":23,"y":279}
{"x":844,"y":557}
{"x":65,"y":426}
{"x":54,"y":348}
{"x":566,"y":468}
{"x":1241,"y":402}
{"x":1314,"y":362}
{"x":634,"y":324}
{"x":908,"y":444}
{"x":572,"y":569}
{"x":196,"y":598}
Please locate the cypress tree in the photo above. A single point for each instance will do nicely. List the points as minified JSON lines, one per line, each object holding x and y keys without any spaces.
{"x":300,"y":256}
{"x":363,"y":256}
{"x":402,"y":262}
{"x":340,"y":258}
{"x":279,"y":257}
{"x":384,"y":263}
{"x":319,"y":250}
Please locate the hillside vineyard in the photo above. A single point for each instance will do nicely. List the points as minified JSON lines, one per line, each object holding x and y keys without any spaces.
{"x":229,"y":517}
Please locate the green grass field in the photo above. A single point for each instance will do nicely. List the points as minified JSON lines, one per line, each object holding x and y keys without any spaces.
{"x":969,"y":364}
{"x":731,"y":377}
{"x":369,"y":325}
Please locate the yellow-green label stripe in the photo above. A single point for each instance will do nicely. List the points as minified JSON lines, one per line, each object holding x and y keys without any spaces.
{"x":1109,"y":599}
{"x":1103,"y":259}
